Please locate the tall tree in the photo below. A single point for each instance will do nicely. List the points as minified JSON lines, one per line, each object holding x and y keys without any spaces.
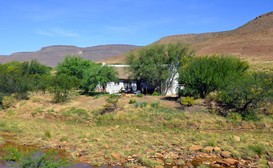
{"x":74,"y":66}
{"x":98,"y":75}
{"x":90,"y":74}
{"x":158,"y":64}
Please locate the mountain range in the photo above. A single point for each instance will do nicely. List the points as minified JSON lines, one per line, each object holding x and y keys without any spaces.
{"x":252,"y":41}
{"x":52,"y":55}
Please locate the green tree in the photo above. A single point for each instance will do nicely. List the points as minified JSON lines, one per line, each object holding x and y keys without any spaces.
{"x":158,"y":64}
{"x":203,"y":75}
{"x":13,"y":80}
{"x":74,"y":66}
{"x":37,"y":73}
{"x":98,"y":75}
{"x":35,"y":68}
{"x":90,"y":74}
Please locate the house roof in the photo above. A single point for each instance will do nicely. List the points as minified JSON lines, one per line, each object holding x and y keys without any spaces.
{"x":122,"y":69}
{"x":123,"y":72}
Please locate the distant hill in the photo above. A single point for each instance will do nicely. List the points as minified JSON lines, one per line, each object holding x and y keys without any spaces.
{"x":52,"y":55}
{"x":252,"y":41}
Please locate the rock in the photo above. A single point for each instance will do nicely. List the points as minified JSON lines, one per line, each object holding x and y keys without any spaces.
{"x":159,"y":166}
{"x":223,"y":163}
{"x":231,"y":161}
{"x":226,"y":154}
{"x":217,"y":149}
{"x":216,"y":165}
{"x":161,"y":162}
{"x":159,"y":155}
{"x":196,"y":148}
{"x":115,"y":155}
{"x":188,"y":164}
{"x":106,"y":146}
{"x":209,"y":149}
{"x":270,"y":164}
{"x":179,"y":162}
{"x":236,"y":138}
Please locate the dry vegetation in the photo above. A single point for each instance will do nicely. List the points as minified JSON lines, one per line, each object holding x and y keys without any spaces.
{"x":158,"y":133}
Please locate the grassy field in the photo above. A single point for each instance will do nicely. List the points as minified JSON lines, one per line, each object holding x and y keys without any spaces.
{"x":155,"y":131}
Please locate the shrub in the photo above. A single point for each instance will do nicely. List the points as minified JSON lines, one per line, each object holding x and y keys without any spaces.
{"x":155,"y":93}
{"x":8,"y":101}
{"x":235,"y":117}
{"x":140,"y":95}
{"x":140,"y":104}
{"x":12,"y":154}
{"x":148,"y":162}
{"x":187,"y":101}
{"x":203,"y":75}
{"x":61,"y":86}
{"x":244,"y":94}
{"x":132,"y":101}
{"x":48,"y":134}
{"x":155,"y":104}
{"x":257,"y":149}
{"x":41,"y":159}
{"x":113,"y":99}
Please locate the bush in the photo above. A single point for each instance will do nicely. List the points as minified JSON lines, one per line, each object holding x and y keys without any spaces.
{"x":235,"y":117}
{"x":155,"y":104}
{"x":8,"y":101}
{"x":140,"y":95}
{"x":113,"y":99}
{"x":61,"y":86}
{"x":40,"y":159}
{"x":187,"y":101}
{"x":20,"y":78}
{"x":244,"y":94}
{"x":155,"y":93}
{"x":203,"y":75}
{"x":132,"y":101}
{"x":140,"y":104}
{"x":257,"y":149}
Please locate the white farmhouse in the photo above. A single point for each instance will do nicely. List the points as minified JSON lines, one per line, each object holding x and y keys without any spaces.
{"x":128,"y":85}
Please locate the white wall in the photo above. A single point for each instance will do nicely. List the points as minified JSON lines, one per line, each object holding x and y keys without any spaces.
{"x":114,"y":87}
{"x":174,"y":88}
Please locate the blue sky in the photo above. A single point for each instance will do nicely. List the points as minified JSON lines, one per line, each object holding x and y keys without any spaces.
{"x":28,"y":25}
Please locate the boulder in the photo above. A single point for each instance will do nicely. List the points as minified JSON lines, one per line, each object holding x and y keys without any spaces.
{"x":209,"y":149}
{"x":231,"y":161}
{"x":217,"y":149}
{"x":196,"y":148}
{"x":115,"y":155}
{"x":226,"y":154}
{"x":270,"y":164}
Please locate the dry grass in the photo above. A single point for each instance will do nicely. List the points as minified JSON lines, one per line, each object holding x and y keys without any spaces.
{"x":129,"y":131}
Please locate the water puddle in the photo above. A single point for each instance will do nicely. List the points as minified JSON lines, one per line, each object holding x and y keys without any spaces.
{"x":3,"y":164}
{"x":37,"y":152}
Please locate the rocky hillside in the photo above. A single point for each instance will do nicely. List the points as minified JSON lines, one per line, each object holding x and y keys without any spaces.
{"x":53,"y":54}
{"x":252,"y":41}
